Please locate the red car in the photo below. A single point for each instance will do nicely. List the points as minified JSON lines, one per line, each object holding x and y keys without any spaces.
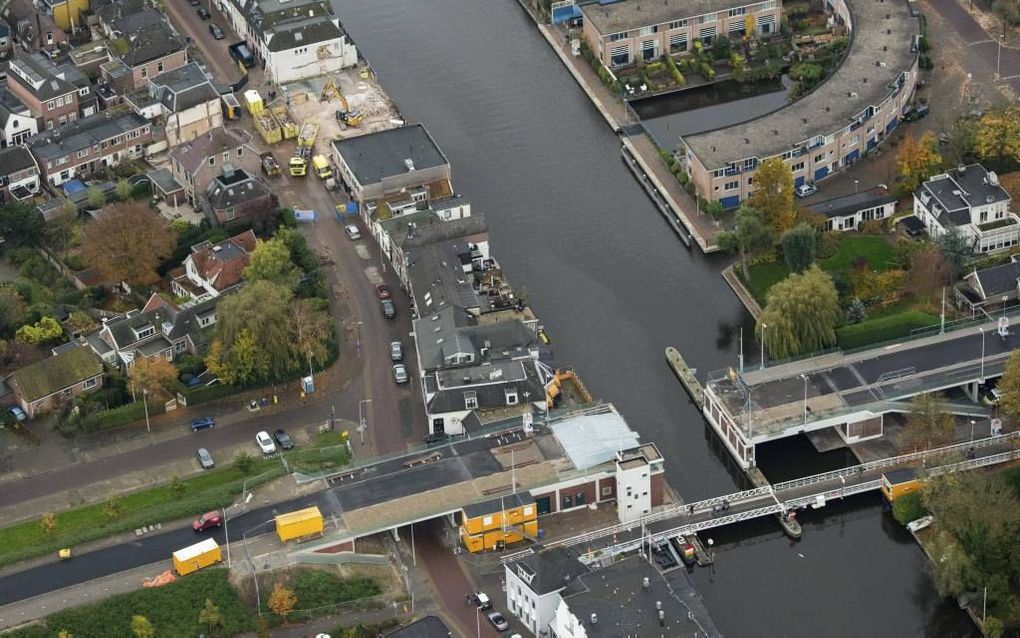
{"x":208,"y":520}
{"x":383,"y":291}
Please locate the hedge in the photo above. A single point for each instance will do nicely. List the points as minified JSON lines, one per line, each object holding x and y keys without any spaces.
{"x":883,"y":329}
{"x":908,"y":508}
{"x":115,"y":417}
{"x":209,"y":393}
{"x":172,"y":609}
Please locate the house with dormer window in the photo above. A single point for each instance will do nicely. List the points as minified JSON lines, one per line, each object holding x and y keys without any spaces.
{"x":213,"y":269}
{"x":971,"y":200}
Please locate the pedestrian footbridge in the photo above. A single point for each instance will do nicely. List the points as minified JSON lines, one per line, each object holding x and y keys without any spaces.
{"x":852,"y":391}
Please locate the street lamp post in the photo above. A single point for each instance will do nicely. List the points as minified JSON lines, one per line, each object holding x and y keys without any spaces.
{"x":763,"y":327}
{"x":998,"y":56}
{"x":1004,"y":299}
{"x":145,"y":404}
{"x":856,"y":182}
{"x":226,"y":533}
{"x":982,"y":354}
{"x":804,"y":376}
{"x":972,"y":430}
{"x":362,"y":426}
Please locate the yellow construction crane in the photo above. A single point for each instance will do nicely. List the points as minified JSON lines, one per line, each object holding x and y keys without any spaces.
{"x":329,"y":91}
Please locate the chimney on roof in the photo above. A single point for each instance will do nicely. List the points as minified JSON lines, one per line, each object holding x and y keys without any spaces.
{"x":409,"y":164}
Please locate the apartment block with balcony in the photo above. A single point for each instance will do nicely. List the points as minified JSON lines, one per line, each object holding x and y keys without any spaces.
{"x":971,"y":200}
{"x":623,"y":33}
{"x":832,"y":127}
{"x":89,"y":145}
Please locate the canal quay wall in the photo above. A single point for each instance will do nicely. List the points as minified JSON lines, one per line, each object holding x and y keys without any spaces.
{"x":701,"y":229}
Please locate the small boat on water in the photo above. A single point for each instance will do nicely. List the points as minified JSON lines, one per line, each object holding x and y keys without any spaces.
{"x":919,"y":524}
{"x":790,"y":524}
{"x":686,"y":375}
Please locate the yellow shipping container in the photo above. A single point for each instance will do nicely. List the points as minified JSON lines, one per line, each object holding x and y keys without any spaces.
{"x":897,"y":483}
{"x":195,"y":557}
{"x":253,"y":101}
{"x":299,"y":524}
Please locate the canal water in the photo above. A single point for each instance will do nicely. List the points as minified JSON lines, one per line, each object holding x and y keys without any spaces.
{"x":614,"y":286}
{"x":706,"y":108}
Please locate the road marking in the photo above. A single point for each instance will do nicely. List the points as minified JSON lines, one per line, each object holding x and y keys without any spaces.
{"x":373,"y":275}
{"x":362,"y":251}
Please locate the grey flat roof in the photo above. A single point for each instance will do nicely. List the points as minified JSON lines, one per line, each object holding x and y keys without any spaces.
{"x":850,"y":204}
{"x":632,"y":14}
{"x":829,"y":107}
{"x":379,"y":155}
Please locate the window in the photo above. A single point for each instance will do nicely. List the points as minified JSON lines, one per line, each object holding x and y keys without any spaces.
{"x":145,"y":331}
{"x":51,"y":105}
{"x":240,"y":151}
{"x":649,"y":50}
{"x":145,"y":73}
{"x":738,"y":12}
{"x":84,"y":91}
{"x":678,"y":43}
{"x":649,"y":30}
{"x":487,"y":520}
{"x":82,"y":153}
{"x":678,"y":24}
{"x":212,"y":160}
{"x":731,"y":186}
{"x":707,"y":19}
{"x":799,"y":166}
{"x":620,"y":55}
{"x":89,"y":384}
{"x":471,"y":400}
{"x":618,"y":36}
{"x":226,"y":157}
{"x":511,"y":396}
{"x":60,"y":101}
{"x":159,"y":67}
{"x":607,"y":490}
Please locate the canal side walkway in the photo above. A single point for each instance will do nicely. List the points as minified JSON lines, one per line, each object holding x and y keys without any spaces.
{"x":703,"y":229}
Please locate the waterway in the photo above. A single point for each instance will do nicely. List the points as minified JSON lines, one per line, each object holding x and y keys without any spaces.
{"x":614,"y":286}
{"x":706,"y":108}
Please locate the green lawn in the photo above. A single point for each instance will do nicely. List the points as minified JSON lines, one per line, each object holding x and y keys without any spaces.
{"x":764,"y":276}
{"x":172,"y":609}
{"x":879,"y":253}
{"x":192,"y":496}
{"x":885,"y":328}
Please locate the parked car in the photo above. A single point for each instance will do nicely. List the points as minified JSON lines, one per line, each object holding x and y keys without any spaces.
{"x":441,"y":437}
{"x":482,"y":600}
{"x":283,"y":439}
{"x":400,"y":373}
{"x":383,"y":291}
{"x":216,"y":32}
{"x":202,"y":423}
{"x":352,"y":232}
{"x":208,"y":520}
{"x":396,"y":351}
{"x":18,"y":413}
{"x":498,"y":621}
{"x":204,"y":13}
{"x":916,"y":113}
{"x":264,"y":442}
{"x":806,"y":190}
{"x":388,"y":309}
{"x":205,"y":459}
{"x":194,"y":3}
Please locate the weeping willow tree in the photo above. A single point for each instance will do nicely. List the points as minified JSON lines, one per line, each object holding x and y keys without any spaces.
{"x":801,"y":314}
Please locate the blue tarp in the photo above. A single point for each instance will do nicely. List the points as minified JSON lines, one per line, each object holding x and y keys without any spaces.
{"x":73,"y":186}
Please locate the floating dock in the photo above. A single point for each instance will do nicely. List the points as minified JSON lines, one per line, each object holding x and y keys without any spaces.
{"x":686,"y":375}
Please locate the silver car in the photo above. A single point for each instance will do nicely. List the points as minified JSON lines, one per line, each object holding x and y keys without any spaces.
{"x":400,"y":373}
{"x":205,"y":459}
{"x":396,"y":351}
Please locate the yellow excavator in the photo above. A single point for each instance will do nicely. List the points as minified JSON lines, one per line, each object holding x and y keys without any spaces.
{"x":344,"y":114}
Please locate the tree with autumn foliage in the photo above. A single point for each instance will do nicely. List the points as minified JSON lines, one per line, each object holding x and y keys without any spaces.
{"x":997,"y":139}
{"x":918,"y":159}
{"x":800,"y":315}
{"x":773,"y":194}
{"x":127,"y":241}
{"x":929,"y":273}
{"x":157,"y":376}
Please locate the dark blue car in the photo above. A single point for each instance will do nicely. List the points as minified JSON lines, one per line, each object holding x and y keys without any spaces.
{"x":202,"y":423}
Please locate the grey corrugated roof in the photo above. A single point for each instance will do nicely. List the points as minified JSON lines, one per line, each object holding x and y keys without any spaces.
{"x":631,"y":14}
{"x":83,"y":133}
{"x":194,"y":153}
{"x":593,"y":439}
{"x":375,"y":156}
{"x":999,"y":280}
{"x":490,"y":394}
{"x":10,"y":105}
{"x":15,"y":158}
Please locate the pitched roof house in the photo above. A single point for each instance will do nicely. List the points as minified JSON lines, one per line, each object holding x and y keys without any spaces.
{"x":187,"y":101}
{"x":44,"y":385}
{"x":195,"y":163}
{"x":235,"y":194}
{"x":971,"y":200}
{"x":210,"y":270}
{"x":19,"y":174}
{"x":16,"y":121}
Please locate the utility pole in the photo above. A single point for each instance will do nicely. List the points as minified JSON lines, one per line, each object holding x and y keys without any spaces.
{"x":362,"y":426}
{"x":145,"y":404}
{"x":226,"y":532}
{"x":763,"y":327}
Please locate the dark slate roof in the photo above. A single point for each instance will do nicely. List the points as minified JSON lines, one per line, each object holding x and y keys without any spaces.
{"x":129,"y":24}
{"x":42,"y":75}
{"x":448,"y":388}
{"x":150,"y":43}
{"x":183,"y":88}
{"x":52,"y":375}
{"x":10,"y":105}
{"x":960,"y":189}
{"x":14,"y":159}
{"x":110,"y":10}
{"x":427,"y":627}
{"x":227,"y":192}
{"x":375,"y":156}
{"x":303,"y":32}
{"x":451,"y":330}
{"x":623,"y":606}
{"x":499,"y":504}
{"x":170,"y":321}
{"x":900,"y":476}
{"x":193,"y":154}
{"x":998,"y":280}
{"x":83,"y":133}
{"x":851,"y":204}
{"x":912,"y":224}
{"x":551,"y":569}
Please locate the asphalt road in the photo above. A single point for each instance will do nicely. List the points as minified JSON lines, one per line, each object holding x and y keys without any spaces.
{"x":972,"y":33}
{"x":214,"y":52}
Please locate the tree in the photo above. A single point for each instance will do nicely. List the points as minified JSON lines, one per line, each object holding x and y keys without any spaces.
{"x":928,"y":274}
{"x":262,"y":309}
{"x":48,"y":524}
{"x":113,"y":508}
{"x":856,"y":312}
{"x":157,"y":376}
{"x":95,"y":198}
{"x":123,"y":189}
{"x":749,"y":235}
{"x":81,"y":322}
{"x":127,"y":242}
{"x":1009,"y":387}
{"x":13,"y":310}
{"x":141,"y":627}
{"x":210,"y":616}
{"x":953,"y":569}
{"x":956,"y":250}
{"x":917,"y":160}
{"x":773,"y":194}
{"x":282,"y":600}
{"x":928,"y":423}
{"x":997,"y":138}
{"x":800,"y":315}
{"x":248,"y":362}
{"x":21,"y":224}
{"x":244,"y":462}
{"x":800,"y":244}
{"x":271,"y":261}
{"x":310,"y":329}
{"x":1008,"y":12}
{"x":46,"y":329}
